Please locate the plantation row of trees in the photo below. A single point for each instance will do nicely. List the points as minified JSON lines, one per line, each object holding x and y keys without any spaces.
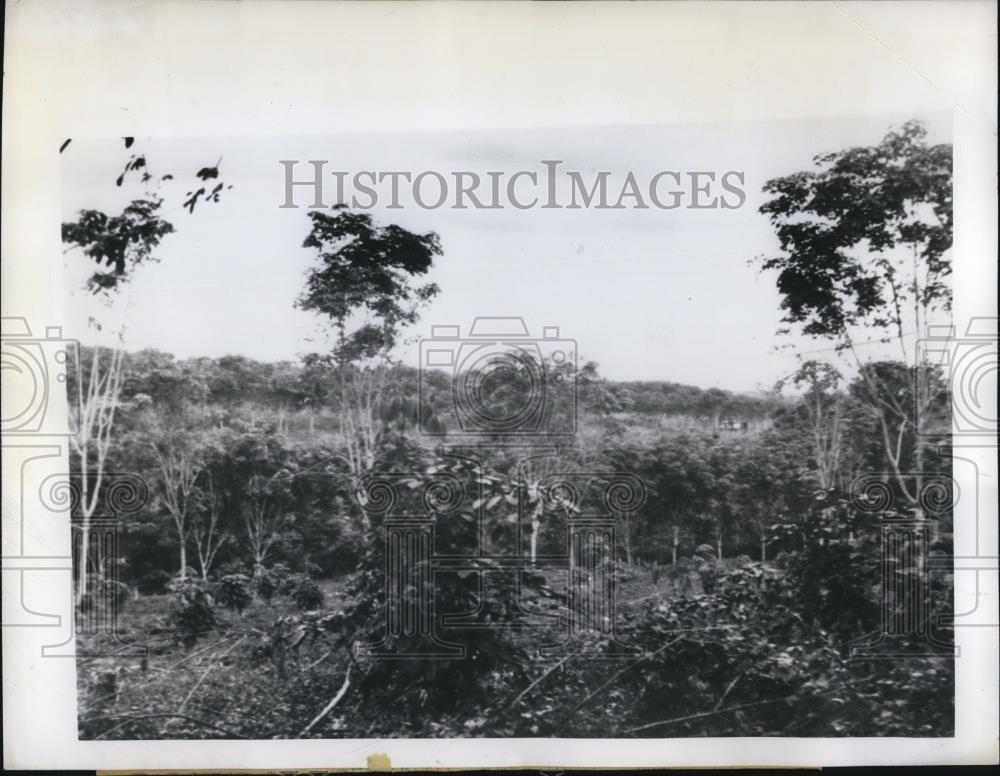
{"x":239,"y":479}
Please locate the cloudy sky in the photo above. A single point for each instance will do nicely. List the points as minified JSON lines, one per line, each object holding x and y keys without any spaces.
{"x":648,"y":294}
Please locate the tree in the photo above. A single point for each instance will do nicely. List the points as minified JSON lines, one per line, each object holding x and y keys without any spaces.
{"x":767,"y":481}
{"x":265,"y":481}
{"x":179,"y":466}
{"x":865,"y":243}
{"x":883,"y":390}
{"x":682,"y":477}
{"x":364,"y":287}
{"x":207,"y":530}
{"x":97,"y":387}
{"x":260,"y":468}
{"x":117,"y":245}
{"x":823,"y":406}
{"x":164,"y":431}
{"x":121,"y":243}
{"x":522,"y":485}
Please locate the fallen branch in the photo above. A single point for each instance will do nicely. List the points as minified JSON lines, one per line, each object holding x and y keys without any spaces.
{"x":631,"y":665}
{"x":315,"y":663}
{"x":535,"y":683}
{"x":329,"y":707}
{"x":199,"y":652}
{"x":135,"y":717}
{"x":725,"y":694}
{"x":117,"y":727}
{"x":155,"y":669}
{"x":115,"y":652}
{"x":713,"y":712}
{"x":208,"y":670}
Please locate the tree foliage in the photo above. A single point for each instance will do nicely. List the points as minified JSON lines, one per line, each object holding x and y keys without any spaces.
{"x":368,"y":270}
{"x":865,"y":237}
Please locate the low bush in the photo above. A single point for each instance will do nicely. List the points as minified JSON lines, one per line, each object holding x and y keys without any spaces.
{"x":192,"y":615}
{"x":307,"y":595}
{"x":105,"y":596}
{"x":264,"y":586}
{"x":233,"y":591}
{"x":154,"y":583}
{"x":276,"y":580}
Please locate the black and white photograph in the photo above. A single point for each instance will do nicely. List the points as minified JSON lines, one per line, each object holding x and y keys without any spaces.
{"x":616,"y":431}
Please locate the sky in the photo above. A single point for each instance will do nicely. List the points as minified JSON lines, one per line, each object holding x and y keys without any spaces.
{"x":648,"y":294}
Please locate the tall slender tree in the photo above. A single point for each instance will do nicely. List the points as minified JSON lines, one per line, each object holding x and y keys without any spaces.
{"x":865,"y":257}
{"x":364,"y":286}
{"x":115,"y":245}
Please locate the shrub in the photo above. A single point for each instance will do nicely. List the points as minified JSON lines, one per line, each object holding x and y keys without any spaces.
{"x":709,"y":571}
{"x":233,"y":591}
{"x":193,"y":615}
{"x":179,"y":584}
{"x":233,"y":567}
{"x":311,"y":570}
{"x":265,"y":585}
{"x":282,"y":577}
{"x":623,"y":572}
{"x":307,"y":594}
{"x":154,"y":583}
{"x":105,"y":594}
{"x":120,"y":592}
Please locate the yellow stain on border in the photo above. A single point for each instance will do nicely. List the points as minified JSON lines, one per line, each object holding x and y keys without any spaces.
{"x":379,"y":762}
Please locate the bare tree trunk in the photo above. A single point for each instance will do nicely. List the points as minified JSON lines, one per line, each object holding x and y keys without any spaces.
{"x":262,"y":526}
{"x":96,"y":405}
{"x":178,"y":471}
{"x":81,"y":583}
{"x":677,"y":540}
{"x":207,"y":536}
{"x":885,"y":408}
{"x":918,"y":465}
